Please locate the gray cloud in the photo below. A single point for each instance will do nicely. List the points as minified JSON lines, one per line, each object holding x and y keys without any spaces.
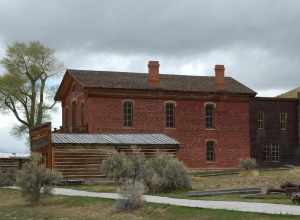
{"x":257,"y":40}
{"x":261,"y":36}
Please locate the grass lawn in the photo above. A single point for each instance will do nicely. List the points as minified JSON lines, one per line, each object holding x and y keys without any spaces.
{"x":264,"y":180}
{"x":13,"y":207}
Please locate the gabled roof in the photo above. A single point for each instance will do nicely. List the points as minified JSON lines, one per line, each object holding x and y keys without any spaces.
{"x":139,"y":81}
{"x":290,"y":94}
{"x":113,"y":139}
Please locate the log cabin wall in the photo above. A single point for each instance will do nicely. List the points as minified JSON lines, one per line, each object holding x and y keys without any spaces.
{"x":11,"y":164}
{"x":85,"y":161}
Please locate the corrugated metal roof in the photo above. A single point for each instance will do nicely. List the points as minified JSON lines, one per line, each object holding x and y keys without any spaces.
{"x":121,"y":139}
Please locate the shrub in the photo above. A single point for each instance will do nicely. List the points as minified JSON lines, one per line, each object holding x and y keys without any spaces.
{"x":7,"y":178}
{"x":131,"y":196}
{"x":121,"y":167}
{"x":165,"y":173}
{"x":34,"y":179}
{"x":248,"y":164}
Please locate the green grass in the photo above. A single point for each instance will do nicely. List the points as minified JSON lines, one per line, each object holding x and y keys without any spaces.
{"x":13,"y":207}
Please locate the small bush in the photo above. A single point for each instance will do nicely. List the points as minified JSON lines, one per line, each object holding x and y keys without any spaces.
{"x":7,"y":178}
{"x":165,"y":174}
{"x":248,"y":164}
{"x":121,"y":167}
{"x":131,"y":196}
{"x":34,"y":179}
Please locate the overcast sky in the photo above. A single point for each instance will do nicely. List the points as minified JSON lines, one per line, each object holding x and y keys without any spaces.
{"x":257,"y":41}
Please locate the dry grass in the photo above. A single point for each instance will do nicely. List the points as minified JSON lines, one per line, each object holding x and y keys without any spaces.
{"x":13,"y":207}
{"x":262,"y":179}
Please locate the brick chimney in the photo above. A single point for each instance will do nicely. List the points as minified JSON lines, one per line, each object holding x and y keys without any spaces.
{"x":219,"y":77}
{"x":153,"y":73}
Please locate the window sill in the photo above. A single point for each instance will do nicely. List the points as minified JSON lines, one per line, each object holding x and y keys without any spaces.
{"x":210,"y":162}
{"x":124,"y":127}
{"x":210,"y":129}
{"x":170,"y":128}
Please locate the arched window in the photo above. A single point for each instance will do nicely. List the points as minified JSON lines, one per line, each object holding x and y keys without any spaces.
{"x":74,"y":118}
{"x":82,"y":114}
{"x":66,"y":117}
{"x":210,"y":151}
{"x":170,"y":114}
{"x":209,"y":115}
{"x":128,"y":113}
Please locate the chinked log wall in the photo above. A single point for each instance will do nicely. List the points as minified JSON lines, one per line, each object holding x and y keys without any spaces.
{"x":11,"y":164}
{"x":84,"y":162}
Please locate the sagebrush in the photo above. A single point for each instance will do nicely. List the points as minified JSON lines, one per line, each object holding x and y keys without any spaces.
{"x":7,"y":178}
{"x":120,"y":167}
{"x":36,"y":180}
{"x":131,"y":196}
{"x":165,"y":173}
{"x":248,"y":164}
{"x":162,"y":173}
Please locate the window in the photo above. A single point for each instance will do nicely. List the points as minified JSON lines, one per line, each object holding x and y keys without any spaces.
{"x":260,"y":120}
{"x":210,"y":151}
{"x":128,"y":113}
{"x":74,"y":115}
{"x":170,"y":115}
{"x":209,"y":116}
{"x":67,"y":119}
{"x":82,"y":114}
{"x":271,"y":152}
{"x":283,"y":120}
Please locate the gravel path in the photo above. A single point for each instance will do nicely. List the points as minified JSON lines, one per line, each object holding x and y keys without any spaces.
{"x":226,"y":205}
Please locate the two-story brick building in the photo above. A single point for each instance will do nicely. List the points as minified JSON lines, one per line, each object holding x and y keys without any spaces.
{"x":216,"y":120}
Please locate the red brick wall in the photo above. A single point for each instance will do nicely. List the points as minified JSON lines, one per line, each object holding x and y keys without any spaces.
{"x":76,"y":94}
{"x":104,"y":115}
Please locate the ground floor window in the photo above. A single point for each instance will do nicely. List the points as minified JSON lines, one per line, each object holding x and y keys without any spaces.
{"x":210,"y":151}
{"x":272,"y":152}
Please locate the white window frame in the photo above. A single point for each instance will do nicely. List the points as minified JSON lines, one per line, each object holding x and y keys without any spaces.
{"x":272,"y":153}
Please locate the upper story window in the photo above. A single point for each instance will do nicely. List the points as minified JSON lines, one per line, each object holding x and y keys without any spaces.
{"x":272,"y":152}
{"x":209,"y":115}
{"x":210,"y":151}
{"x":82,"y":114}
{"x":260,"y":120}
{"x":283,"y":120}
{"x":66,"y":118}
{"x":128,"y":113}
{"x":170,"y":114}
{"x":74,"y":114}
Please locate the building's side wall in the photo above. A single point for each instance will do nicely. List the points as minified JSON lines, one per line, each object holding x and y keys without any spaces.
{"x":105,"y":115}
{"x":74,"y":94}
{"x":271,"y":133}
{"x":84,"y":161}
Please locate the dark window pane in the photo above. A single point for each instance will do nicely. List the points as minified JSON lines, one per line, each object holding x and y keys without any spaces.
{"x":170,"y":115}
{"x":210,"y":151}
{"x":209,"y":116}
{"x":128,"y":113}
